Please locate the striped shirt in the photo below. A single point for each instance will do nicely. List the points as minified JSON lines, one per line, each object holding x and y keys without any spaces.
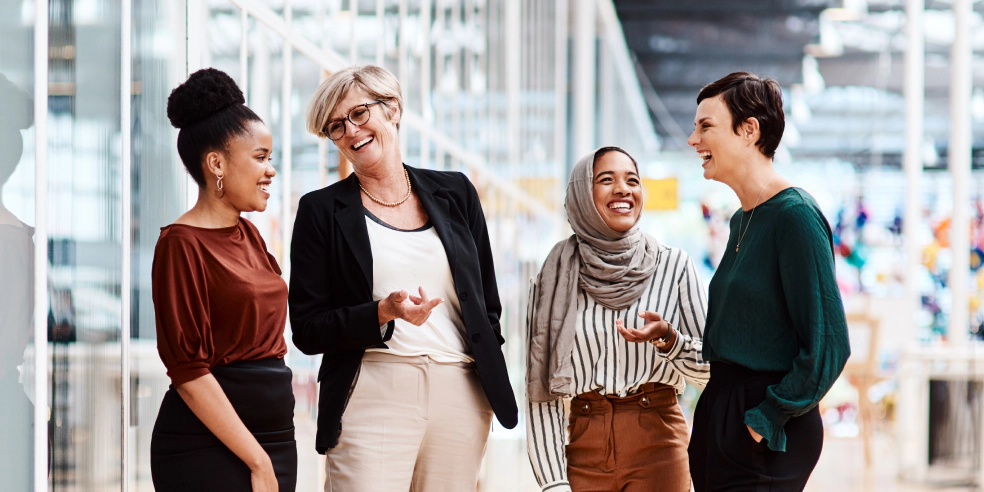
{"x":604,"y":361}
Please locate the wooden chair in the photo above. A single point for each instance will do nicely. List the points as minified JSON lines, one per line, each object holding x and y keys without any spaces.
{"x":862,"y":371}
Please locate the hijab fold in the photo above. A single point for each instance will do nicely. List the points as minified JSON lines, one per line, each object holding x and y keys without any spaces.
{"x":612,"y":267}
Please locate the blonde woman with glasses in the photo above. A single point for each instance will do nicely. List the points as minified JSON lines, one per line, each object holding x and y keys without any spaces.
{"x":393,"y":282}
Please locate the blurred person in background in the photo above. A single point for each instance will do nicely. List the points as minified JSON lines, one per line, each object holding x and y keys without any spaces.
{"x":226,"y":423}
{"x":393,"y":282}
{"x":16,"y":300}
{"x":776,"y":335}
{"x":602,"y":294}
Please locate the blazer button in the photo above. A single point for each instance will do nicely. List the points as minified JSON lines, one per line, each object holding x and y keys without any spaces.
{"x":463,"y":296}
{"x":476,"y":337}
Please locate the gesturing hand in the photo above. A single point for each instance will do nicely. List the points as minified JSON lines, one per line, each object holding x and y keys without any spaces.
{"x":655,"y":327}
{"x":412,"y":309}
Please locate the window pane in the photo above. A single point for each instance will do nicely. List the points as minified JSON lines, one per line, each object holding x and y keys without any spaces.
{"x":16,"y":244}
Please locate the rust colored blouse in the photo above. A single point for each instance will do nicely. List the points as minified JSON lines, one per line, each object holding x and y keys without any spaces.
{"x":218,"y":298}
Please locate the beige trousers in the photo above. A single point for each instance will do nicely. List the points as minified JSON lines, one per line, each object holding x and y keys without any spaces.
{"x":411,"y":424}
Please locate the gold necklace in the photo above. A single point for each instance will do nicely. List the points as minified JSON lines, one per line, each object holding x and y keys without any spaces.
{"x":392,"y":204}
{"x":741,"y":235}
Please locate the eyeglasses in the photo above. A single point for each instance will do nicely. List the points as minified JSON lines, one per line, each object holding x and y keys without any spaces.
{"x":359,"y":115}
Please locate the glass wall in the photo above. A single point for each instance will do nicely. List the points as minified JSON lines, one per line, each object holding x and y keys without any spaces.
{"x":489,"y":88}
{"x":159,"y":185}
{"x":17,"y":244}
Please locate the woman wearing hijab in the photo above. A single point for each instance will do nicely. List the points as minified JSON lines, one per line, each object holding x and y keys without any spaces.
{"x":601,"y":295}
{"x":776,"y":335}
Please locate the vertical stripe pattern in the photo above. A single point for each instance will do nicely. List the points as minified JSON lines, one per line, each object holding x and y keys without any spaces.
{"x":604,"y":361}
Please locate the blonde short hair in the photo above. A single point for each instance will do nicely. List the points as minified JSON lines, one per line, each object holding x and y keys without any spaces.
{"x":378,"y":82}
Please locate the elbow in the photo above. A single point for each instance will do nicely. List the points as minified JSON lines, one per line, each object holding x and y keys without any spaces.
{"x":302,"y":341}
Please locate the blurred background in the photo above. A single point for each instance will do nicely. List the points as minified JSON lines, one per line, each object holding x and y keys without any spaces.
{"x":884,"y":104}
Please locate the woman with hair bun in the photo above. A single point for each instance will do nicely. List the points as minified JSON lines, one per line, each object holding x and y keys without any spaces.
{"x":226,"y":423}
{"x":776,"y":337}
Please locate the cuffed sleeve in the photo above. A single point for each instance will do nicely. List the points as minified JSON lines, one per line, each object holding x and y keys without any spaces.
{"x":180,"y":294}
{"x":685,"y":353}
{"x":806,"y":267}
{"x":318,"y":324}
{"x":546,"y":442}
{"x":480,"y":233}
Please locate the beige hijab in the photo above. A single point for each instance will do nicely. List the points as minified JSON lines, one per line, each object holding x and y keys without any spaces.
{"x":612,"y":267}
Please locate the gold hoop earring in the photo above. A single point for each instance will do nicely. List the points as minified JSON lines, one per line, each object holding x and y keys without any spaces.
{"x":218,"y":184}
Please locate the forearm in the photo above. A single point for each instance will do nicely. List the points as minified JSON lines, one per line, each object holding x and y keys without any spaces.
{"x":546,"y":439}
{"x":323,"y":331}
{"x":209,"y":403}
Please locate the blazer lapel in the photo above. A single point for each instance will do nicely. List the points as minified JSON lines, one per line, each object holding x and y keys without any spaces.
{"x":439,"y":211}
{"x":352,"y":222}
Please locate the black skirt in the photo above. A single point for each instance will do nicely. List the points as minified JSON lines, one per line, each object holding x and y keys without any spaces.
{"x":725,"y":457}
{"x":185,"y":456}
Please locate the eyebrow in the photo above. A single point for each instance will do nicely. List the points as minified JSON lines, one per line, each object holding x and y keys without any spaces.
{"x":631,"y":173}
{"x":262,"y":149}
{"x":346,"y":113}
{"x":703,"y":120}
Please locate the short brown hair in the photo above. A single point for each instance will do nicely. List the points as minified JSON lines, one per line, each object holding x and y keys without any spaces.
{"x":748,"y":96}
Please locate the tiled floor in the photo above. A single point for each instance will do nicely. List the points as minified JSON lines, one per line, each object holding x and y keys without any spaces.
{"x":841,"y":469}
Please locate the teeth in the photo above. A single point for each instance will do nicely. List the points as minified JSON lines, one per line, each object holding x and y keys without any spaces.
{"x":619,"y":205}
{"x":264,"y":187}
{"x":705,"y":155}
{"x":358,"y":145}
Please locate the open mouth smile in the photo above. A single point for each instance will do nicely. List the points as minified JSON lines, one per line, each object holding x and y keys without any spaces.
{"x":362,"y":143}
{"x":621,"y":207}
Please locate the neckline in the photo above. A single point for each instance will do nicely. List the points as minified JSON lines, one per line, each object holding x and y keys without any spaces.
{"x":208,"y":229}
{"x":773,"y":197}
{"x":372,"y":217}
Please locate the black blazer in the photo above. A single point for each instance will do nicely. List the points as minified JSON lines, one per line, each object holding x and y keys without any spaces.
{"x":331,"y":307}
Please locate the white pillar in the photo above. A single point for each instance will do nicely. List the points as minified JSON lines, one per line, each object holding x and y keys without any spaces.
{"x":911,"y":428}
{"x":286,"y":212}
{"x":959,"y":161}
{"x":583,"y":80}
{"x":41,"y":246}
{"x":915,"y":70}
{"x":126,"y":238}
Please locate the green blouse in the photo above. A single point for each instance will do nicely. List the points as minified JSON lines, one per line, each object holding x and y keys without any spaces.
{"x":774,"y":306}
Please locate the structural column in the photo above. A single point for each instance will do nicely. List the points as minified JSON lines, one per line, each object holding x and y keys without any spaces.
{"x":585,"y":63}
{"x":912,"y":408}
{"x":959,"y":161}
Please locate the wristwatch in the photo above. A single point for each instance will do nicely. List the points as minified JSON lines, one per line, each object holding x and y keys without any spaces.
{"x":660,"y":343}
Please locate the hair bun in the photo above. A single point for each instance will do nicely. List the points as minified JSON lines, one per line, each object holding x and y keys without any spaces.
{"x":205,"y":93}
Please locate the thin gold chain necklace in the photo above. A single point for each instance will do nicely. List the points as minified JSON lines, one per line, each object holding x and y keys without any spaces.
{"x":741,"y":235}
{"x":392,"y":204}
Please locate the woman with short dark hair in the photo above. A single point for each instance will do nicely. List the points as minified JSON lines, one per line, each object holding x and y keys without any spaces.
{"x":776,"y":335}
{"x":226,"y":423}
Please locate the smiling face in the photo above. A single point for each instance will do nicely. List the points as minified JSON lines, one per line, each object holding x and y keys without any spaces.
{"x":721,"y":149}
{"x":246,"y":169}
{"x":375,"y":141}
{"x":617,"y":190}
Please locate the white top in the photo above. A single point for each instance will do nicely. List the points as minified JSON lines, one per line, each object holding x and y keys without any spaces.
{"x":604,"y":361}
{"x":405,"y":260}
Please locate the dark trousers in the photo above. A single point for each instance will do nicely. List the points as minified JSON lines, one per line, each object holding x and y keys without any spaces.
{"x":185,"y":456}
{"x":725,"y":457}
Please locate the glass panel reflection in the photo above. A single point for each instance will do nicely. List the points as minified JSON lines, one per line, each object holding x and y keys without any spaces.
{"x":158,"y":197}
{"x":16,"y":244}
{"x":84,"y":217}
